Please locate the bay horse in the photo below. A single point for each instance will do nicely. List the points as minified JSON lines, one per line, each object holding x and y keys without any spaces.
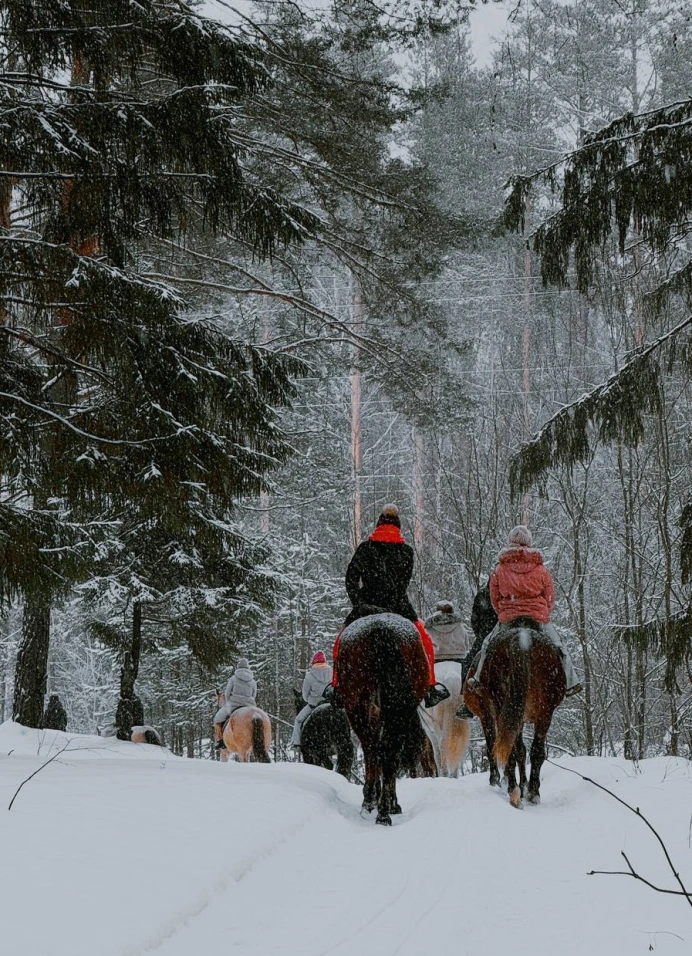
{"x":248,"y":733}
{"x":326,"y":733}
{"x":449,"y":735}
{"x":383,"y":674}
{"x":522,"y":680}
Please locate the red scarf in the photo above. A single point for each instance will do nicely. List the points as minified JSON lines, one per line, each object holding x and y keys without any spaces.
{"x":388,"y":533}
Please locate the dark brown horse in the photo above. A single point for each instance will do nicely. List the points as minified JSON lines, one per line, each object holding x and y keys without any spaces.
{"x":522,"y":680}
{"x":383,"y":676}
{"x":326,"y":734}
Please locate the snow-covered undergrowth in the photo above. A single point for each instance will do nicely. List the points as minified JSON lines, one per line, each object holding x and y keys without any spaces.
{"x":147,"y":853}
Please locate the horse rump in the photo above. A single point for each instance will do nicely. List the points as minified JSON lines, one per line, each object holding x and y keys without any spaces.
{"x":522,"y":680}
{"x":326,"y":732}
{"x":259,"y":751}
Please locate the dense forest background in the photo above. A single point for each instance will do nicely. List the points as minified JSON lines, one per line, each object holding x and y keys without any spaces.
{"x":426,"y":403}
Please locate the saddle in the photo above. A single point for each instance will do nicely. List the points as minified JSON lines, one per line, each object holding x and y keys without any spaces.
{"x":517,"y":622}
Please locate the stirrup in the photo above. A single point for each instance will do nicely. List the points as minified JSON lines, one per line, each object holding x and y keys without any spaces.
{"x":436,"y":694}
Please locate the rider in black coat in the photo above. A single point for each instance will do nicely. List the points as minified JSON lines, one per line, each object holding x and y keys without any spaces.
{"x":377,"y":579}
{"x":379,"y":573}
{"x":483,"y":617}
{"x":483,"y":620}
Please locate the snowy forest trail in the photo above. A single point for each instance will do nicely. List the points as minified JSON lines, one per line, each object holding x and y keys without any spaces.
{"x":122,"y":857}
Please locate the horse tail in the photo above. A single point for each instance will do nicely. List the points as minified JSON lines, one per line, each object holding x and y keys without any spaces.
{"x":259,"y":751}
{"x":401,"y":738}
{"x":510,"y":717}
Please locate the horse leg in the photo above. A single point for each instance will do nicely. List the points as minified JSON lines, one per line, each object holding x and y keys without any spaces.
{"x":371,"y":787}
{"x":344,"y":759}
{"x":537,"y":758}
{"x":520,"y":747}
{"x":388,"y":803}
{"x":488,"y":725}
{"x":511,"y":772}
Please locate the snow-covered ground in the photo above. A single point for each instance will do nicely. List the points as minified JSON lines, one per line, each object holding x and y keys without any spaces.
{"x":147,"y":853}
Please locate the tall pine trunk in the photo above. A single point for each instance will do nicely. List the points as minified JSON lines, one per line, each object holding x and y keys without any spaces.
{"x":129,"y":712}
{"x":31,"y":673}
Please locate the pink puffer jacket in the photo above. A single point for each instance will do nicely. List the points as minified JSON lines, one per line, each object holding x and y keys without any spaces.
{"x":522,"y":586}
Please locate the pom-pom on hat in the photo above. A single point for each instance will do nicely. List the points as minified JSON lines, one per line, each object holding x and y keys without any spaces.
{"x":242,"y":662}
{"x":389,"y":515}
{"x":520,"y":537}
{"x":318,"y":658}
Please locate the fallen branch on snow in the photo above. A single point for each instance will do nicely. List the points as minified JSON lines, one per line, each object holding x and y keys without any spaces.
{"x":637,"y":812}
{"x":50,"y":760}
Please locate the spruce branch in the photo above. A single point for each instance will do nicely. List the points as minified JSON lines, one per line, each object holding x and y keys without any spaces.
{"x":616,"y":405}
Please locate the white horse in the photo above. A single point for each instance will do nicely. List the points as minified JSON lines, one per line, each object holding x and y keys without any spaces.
{"x":449,"y":735}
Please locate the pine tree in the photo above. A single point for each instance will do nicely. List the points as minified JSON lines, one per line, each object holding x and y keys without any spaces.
{"x":131,"y":427}
{"x":117,"y":410}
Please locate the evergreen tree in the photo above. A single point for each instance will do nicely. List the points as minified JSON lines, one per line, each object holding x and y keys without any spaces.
{"x":131,"y":428}
{"x":624,"y":198}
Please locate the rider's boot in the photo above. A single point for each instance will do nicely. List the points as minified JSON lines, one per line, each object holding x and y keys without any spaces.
{"x":218,"y":733}
{"x":436,"y":694}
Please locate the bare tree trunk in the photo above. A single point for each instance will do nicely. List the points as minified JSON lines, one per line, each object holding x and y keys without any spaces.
{"x":418,"y":491}
{"x":526,"y":371}
{"x":356,"y":422}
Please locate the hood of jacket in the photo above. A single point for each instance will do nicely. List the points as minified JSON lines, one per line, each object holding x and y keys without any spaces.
{"x":520,"y":560}
{"x":443,"y":622}
{"x":243,"y":673}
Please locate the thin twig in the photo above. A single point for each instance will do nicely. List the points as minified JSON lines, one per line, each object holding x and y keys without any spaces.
{"x":637,"y":812}
{"x":50,"y":760}
{"x":636,"y":876}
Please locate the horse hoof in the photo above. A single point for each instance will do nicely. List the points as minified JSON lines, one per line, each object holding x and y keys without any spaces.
{"x":494,"y":781}
{"x":515,"y":798}
{"x":368,"y":807}
{"x":534,"y":798}
{"x":396,"y":809}
{"x":384,"y":819}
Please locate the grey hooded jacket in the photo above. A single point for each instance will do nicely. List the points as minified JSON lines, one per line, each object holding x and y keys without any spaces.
{"x":316,"y":679}
{"x":449,"y":636}
{"x":241,"y":689}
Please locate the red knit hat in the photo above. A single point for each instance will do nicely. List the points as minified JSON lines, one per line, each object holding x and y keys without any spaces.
{"x":318,"y":658}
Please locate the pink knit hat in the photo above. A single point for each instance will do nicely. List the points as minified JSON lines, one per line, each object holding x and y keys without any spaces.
{"x":318,"y":658}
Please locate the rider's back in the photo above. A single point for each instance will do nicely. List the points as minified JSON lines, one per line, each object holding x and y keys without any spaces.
{"x":379,"y":574}
{"x":522,"y":586}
